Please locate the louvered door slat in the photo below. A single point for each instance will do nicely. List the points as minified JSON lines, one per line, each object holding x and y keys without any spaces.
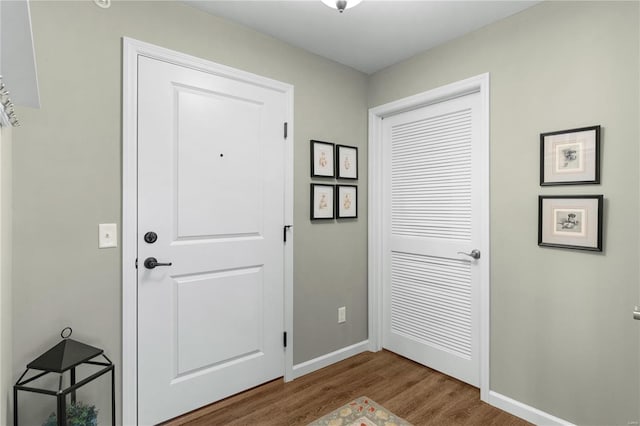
{"x":423,"y":155}
{"x":435,"y":315}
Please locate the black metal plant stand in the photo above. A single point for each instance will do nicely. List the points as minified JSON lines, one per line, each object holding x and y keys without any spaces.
{"x":65,"y":356}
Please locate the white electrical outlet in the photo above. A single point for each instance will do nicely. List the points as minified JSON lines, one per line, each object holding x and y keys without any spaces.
{"x":107,"y":235}
{"x":342,"y":314}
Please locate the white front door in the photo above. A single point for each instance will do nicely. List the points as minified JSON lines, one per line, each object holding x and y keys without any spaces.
{"x":211,"y":167}
{"x":432,"y":200}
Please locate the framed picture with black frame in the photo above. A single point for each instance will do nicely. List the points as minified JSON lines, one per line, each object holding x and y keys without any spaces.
{"x":346,"y":201}
{"x":322,"y":201}
{"x":570,"y":221}
{"x":347,"y":162}
{"x":322,"y":159}
{"x":570,"y":157}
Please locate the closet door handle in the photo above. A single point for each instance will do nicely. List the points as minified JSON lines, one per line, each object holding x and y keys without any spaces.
{"x":475,"y":253}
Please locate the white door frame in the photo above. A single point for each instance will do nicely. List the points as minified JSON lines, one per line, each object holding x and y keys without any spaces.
{"x":377,"y":215}
{"x":131,"y":50}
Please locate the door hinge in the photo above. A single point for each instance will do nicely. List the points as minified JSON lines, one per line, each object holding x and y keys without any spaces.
{"x":284,"y":339}
{"x":136,"y":263}
{"x":284,"y":232}
{"x":286,"y":129}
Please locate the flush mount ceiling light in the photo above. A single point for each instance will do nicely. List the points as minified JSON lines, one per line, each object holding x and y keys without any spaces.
{"x":341,"y":5}
{"x":103,"y":3}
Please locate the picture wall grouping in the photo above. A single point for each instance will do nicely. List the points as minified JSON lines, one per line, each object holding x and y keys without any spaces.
{"x":328,"y":200}
{"x":334,"y":201}
{"x":570,"y":157}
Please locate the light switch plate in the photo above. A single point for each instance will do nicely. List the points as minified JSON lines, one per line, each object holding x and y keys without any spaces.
{"x":342,"y":314}
{"x":107,"y":235}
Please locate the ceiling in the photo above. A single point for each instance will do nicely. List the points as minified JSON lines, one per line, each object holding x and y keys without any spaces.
{"x":371,"y":35}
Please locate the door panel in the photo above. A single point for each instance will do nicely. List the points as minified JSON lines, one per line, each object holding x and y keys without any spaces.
{"x":430,"y":301}
{"x":431,"y":292}
{"x":211,"y":185}
{"x":217,"y":300}
{"x":232,"y":156}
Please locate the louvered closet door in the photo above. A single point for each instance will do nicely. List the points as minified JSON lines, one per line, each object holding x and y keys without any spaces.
{"x":431,"y":292}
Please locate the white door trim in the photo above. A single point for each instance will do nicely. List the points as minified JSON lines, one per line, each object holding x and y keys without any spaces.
{"x":377,"y":216}
{"x":131,"y":50}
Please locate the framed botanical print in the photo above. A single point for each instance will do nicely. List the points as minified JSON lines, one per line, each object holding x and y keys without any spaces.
{"x":347,"y":164}
{"x":322,"y":201}
{"x":570,"y":157}
{"x":570,"y":221}
{"x":346,"y":201}
{"x":322,"y":159}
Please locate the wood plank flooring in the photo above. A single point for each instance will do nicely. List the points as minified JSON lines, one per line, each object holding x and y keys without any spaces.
{"x":420,"y":395}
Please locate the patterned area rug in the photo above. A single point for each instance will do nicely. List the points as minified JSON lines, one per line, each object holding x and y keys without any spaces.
{"x":361,"y":412}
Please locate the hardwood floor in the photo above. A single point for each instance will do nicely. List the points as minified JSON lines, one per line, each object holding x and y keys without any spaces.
{"x":418,"y":394}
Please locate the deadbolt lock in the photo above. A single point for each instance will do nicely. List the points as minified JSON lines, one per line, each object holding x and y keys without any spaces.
{"x":151,"y":237}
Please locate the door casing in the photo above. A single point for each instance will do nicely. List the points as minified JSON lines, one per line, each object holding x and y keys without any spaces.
{"x":131,"y":50}
{"x":377,"y":213}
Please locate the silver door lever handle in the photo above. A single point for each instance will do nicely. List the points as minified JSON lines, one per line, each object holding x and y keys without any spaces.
{"x":475,"y":253}
{"x":636,"y":313}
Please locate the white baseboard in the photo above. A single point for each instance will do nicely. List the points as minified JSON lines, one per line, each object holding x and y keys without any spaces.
{"x":524,"y":411}
{"x":328,"y":359}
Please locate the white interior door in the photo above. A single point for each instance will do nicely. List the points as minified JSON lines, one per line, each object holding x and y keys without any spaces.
{"x":432,"y":198}
{"x":211,"y":187}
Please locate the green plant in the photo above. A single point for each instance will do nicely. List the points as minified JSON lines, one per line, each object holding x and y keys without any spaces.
{"x":78,"y":414}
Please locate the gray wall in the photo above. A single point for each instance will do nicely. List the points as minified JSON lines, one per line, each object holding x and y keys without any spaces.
{"x":67,"y":165}
{"x":562,"y":338}
{"x":5,"y":273}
